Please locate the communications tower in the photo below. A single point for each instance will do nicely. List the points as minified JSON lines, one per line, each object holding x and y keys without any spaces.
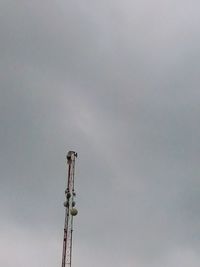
{"x":70,"y":211}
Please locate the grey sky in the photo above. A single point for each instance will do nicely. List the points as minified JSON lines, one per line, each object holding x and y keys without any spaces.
{"x":117,"y":81}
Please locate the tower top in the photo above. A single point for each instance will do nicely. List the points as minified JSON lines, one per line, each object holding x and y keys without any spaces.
{"x":71,"y":154}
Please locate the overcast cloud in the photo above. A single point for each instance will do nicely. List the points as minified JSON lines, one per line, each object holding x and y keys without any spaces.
{"x":118,"y":82}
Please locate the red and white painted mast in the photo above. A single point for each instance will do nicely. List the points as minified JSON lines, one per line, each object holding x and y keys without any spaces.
{"x":70,"y":211}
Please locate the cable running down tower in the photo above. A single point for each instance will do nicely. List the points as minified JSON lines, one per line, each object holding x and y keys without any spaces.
{"x":70,"y":211}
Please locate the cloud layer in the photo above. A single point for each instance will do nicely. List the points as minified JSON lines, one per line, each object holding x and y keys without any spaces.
{"x":118,"y":83}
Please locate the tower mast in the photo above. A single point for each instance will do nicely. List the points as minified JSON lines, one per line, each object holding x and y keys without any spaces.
{"x":70,"y":211}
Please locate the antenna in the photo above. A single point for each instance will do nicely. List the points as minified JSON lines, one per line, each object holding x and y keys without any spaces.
{"x":70,"y":211}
